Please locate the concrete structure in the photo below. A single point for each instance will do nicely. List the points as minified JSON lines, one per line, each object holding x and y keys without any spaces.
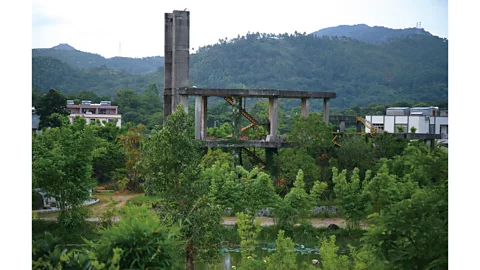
{"x":92,"y":112}
{"x":177,"y":90}
{"x":177,"y":59}
{"x":426,"y":120}
{"x":35,"y":122}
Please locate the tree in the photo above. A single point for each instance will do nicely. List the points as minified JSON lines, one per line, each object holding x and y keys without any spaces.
{"x":298,"y":198}
{"x":127,"y":100}
{"x":132,"y":146}
{"x":146,"y":241}
{"x":248,"y":230}
{"x":284,"y":257}
{"x":52,"y":102}
{"x":413,"y":233}
{"x":330,"y":258}
{"x":214,"y":156}
{"x":170,"y":166}
{"x":293,"y":159}
{"x":62,"y":167}
{"x":353,"y":200}
{"x":355,"y":153}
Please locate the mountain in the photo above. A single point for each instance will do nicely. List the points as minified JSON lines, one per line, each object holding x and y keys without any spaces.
{"x":85,"y":60}
{"x":363,"y":32}
{"x":411,"y":68}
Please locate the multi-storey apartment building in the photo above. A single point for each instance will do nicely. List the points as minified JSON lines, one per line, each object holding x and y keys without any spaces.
{"x":104,"y":112}
{"x":425,"y":120}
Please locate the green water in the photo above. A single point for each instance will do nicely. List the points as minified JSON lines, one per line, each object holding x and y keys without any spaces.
{"x":233,"y":257}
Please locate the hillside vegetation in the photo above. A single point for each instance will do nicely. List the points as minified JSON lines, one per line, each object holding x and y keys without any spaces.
{"x":409,"y":68}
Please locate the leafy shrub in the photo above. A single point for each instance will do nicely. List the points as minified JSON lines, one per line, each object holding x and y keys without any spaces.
{"x":145,"y":241}
{"x":73,"y":219}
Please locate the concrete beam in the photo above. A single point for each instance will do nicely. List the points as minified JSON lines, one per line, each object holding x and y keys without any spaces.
{"x":180,"y":53}
{"x":326,"y":109}
{"x":273,"y":116}
{"x":167,"y":81}
{"x":305,"y":106}
{"x":258,"y":93}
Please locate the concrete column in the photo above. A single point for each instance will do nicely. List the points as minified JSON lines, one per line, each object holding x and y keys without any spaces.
{"x":273,"y":116}
{"x":326,"y":108}
{"x":203,"y":131}
{"x":184,"y":102}
{"x":342,"y":126}
{"x":305,"y":106}
{"x":198,"y":117}
{"x":180,"y":54}
{"x":167,"y":81}
{"x":359,"y":126}
{"x":237,"y":118}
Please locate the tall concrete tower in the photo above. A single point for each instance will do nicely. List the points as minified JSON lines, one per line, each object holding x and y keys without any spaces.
{"x":177,"y":59}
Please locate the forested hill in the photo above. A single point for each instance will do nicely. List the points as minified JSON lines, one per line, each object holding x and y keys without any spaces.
{"x":85,"y":60}
{"x":363,"y":32}
{"x":412,"y":69}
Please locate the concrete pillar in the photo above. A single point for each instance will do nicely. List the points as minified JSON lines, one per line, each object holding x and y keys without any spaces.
{"x":326,"y":108}
{"x":200,"y":118}
{"x":359,"y":126}
{"x":305,"y":106}
{"x":342,"y":126}
{"x":180,"y":54}
{"x":273,"y":116}
{"x":167,"y":81}
{"x":237,"y":118}
{"x":184,"y":102}
{"x":203,"y":130}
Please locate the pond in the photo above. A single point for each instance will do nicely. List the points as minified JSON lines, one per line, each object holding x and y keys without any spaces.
{"x":232,"y":257}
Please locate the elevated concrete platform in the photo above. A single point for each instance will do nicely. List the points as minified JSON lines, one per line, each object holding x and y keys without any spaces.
{"x":254,"y":93}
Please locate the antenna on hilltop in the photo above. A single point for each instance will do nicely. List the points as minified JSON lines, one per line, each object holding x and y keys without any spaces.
{"x":120,"y":49}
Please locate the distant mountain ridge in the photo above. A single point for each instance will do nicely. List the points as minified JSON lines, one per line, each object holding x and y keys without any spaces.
{"x":78,"y":59}
{"x":365,"y":33}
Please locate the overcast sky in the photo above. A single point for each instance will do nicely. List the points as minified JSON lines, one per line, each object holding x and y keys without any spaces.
{"x":100,"y":26}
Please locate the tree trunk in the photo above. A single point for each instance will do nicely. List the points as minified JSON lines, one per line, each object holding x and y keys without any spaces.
{"x":190,"y":257}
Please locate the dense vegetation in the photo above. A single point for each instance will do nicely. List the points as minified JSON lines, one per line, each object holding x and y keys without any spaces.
{"x":392,"y":194}
{"x":85,"y":60}
{"x":409,"y":68}
{"x":363,"y":32}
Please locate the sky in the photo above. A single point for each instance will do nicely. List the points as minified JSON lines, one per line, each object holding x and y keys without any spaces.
{"x":135,"y":28}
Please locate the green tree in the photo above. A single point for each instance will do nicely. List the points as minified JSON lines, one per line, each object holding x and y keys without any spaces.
{"x":355,"y":153}
{"x":248,"y":230}
{"x":330,"y":258}
{"x":353,"y":200}
{"x":214,"y":156}
{"x":298,"y":198}
{"x":51,"y":102}
{"x":413,"y":233}
{"x":62,"y":167}
{"x":284,"y":257}
{"x":170,"y":166}
{"x":293,"y":159}
{"x":146,"y":241}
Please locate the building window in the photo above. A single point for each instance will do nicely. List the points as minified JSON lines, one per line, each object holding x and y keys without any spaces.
{"x":378,"y":126}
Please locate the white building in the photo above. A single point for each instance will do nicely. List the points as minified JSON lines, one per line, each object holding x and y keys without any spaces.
{"x":104,"y":112}
{"x":425,"y":120}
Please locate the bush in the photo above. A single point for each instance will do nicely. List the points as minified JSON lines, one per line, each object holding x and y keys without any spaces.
{"x":73,"y":219}
{"x":145,"y":241}
{"x":37,"y":201}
